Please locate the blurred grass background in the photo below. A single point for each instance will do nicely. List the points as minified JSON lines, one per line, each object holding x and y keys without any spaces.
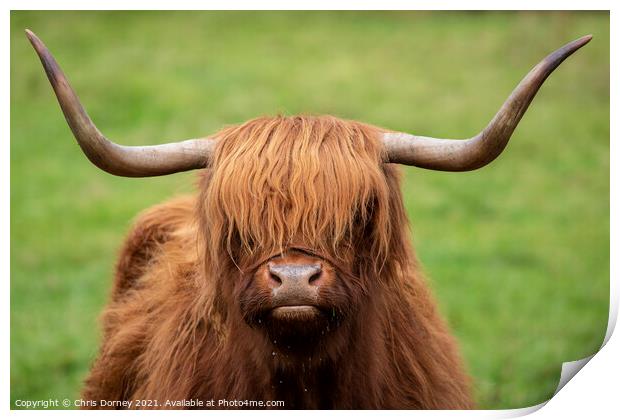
{"x":517,"y":253}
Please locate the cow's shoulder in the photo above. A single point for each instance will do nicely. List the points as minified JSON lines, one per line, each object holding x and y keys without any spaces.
{"x":154,"y":229}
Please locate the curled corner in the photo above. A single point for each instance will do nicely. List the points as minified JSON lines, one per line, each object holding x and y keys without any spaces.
{"x":570,"y":369}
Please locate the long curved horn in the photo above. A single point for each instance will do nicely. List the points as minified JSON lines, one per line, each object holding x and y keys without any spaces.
{"x":130,"y":161}
{"x":478,"y":151}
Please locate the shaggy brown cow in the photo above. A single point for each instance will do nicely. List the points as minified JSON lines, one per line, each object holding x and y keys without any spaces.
{"x":290,"y":276}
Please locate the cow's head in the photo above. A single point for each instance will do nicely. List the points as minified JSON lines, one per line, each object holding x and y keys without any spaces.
{"x":300,"y":211}
{"x":300,"y":208}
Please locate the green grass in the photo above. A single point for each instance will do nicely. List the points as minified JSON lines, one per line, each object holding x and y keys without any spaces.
{"x":517,"y":253}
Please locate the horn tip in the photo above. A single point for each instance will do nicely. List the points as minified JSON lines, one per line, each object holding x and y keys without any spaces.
{"x":34,"y":39}
{"x":582,"y":41}
{"x":586,"y":38}
{"x":31,"y":36}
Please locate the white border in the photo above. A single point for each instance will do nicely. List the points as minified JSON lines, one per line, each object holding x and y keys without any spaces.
{"x":592,"y":392}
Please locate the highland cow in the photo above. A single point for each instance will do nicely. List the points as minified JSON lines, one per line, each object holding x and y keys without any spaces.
{"x":290,"y":275}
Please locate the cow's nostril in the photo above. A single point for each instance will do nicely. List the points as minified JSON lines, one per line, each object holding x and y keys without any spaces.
{"x":275,"y":279}
{"x":314,"y":278}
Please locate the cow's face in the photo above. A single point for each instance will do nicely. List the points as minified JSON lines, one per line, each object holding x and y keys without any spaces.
{"x":297,"y":206}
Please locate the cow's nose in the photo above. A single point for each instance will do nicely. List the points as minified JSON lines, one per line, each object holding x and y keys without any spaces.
{"x":294,"y":275}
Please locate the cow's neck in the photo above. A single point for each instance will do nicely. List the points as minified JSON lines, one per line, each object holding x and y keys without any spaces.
{"x":310,"y":386}
{"x":330,"y":382}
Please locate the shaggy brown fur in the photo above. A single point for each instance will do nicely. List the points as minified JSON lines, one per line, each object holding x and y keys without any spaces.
{"x":175,"y":328}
